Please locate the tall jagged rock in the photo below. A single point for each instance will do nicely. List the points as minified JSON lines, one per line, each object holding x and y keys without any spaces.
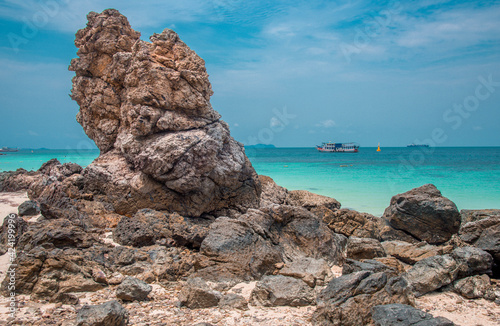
{"x":147,"y":107}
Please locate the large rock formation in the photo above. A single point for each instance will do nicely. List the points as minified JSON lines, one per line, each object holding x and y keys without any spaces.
{"x":424,"y":214}
{"x":147,"y":107}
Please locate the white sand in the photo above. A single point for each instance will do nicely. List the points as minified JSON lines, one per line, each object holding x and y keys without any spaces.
{"x":461,"y":311}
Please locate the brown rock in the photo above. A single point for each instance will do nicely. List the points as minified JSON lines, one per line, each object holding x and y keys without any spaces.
{"x":364,"y":248}
{"x":349,"y":222}
{"x":411,"y":253}
{"x":148,"y":103}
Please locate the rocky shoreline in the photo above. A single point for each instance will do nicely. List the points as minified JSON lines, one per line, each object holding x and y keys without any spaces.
{"x":171,"y":225}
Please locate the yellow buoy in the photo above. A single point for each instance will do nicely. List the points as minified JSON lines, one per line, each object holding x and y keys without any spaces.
{"x":378,"y":149}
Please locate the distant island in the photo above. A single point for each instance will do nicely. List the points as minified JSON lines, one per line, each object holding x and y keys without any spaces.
{"x":260,"y":146}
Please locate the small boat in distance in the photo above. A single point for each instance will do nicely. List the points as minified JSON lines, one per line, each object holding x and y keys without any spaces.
{"x":338,"y":147}
{"x":8,"y":150}
{"x":417,"y":145}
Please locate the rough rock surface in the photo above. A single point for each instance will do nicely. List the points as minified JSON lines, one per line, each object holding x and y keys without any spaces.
{"x":312,"y":271}
{"x":147,"y":227}
{"x":410,"y":253}
{"x":425,"y":214}
{"x":28,"y":208}
{"x":279,"y":290}
{"x":147,"y":107}
{"x":349,"y":222}
{"x":364,"y":248}
{"x":108,"y":314}
{"x":198,"y":294}
{"x":349,"y":299}
{"x":17,"y":180}
{"x":404,"y":315}
{"x":19,"y":226}
{"x":484,"y":234}
{"x":473,"y":287}
{"x":132,"y":289}
{"x":473,"y":215}
{"x":432,"y":273}
{"x":369,"y":265}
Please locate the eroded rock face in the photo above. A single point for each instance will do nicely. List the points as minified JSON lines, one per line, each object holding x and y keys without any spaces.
{"x":148,"y":103}
{"x":425,"y":214}
{"x":349,"y":299}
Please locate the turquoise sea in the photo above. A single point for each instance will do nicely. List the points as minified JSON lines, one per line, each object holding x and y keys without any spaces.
{"x":364,"y":181}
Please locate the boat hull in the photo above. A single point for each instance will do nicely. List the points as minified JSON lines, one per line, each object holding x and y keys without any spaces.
{"x":339,"y":150}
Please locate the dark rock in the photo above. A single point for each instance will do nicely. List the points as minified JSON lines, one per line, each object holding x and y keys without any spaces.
{"x":235,"y":243}
{"x":404,"y":315}
{"x":349,"y":299}
{"x":67,"y":298}
{"x":60,"y":233}
{"x":197,"y":294}
{"x":233,"y":301}
{"x":473,"y":287}
{"x":484,"y":234}
{"x":279,"y":290}
{"x":12,"y":222}
{"x":353,"y":266}
{"x":301,"y":233}
{"x":110,"y":313}
{"x":432,"y":273}
{"x":18,"y":180}
{"x":28,"y":208}
{"x":472,"y":261}
{"x":410,"y":253}
{"x":364,"y":248}
{"x":425,"y":214}
{"x":133,"y":289}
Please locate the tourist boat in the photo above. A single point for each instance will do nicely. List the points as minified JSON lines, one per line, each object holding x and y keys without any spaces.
{"x":8,"y":149}
{"x":338,"y":147}
{"x":417,"y":145}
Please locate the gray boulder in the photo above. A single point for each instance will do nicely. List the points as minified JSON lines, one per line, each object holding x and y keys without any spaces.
{"x":473,"y":287}
{"x":370,"y":265}
{"x":312,"y":271}
{"x":364,"y":248}
{"x":28,"y":208}
{"x":233,"y":301}
{"x":198,"y":294}
{"x":432,"y":273}
{"x":484,"y":234}
{"x":107,"y":314}
{"x":404,"y":315}
{"x":279,"y":290}
{"x":472,"y":261}
{"x":132,"y":289}
{"x":349,"y":299}
{"x":425,"y":214}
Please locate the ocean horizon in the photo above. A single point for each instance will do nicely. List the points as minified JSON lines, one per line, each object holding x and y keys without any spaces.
{"x":364,"y":181}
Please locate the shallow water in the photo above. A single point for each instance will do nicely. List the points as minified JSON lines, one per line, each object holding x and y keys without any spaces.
{"x":364,"y":181}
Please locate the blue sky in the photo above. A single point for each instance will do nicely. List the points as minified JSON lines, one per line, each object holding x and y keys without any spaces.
{"x":291,"y":73}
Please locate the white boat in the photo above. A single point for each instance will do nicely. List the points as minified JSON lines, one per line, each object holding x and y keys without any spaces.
{"x":338,"y":147}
